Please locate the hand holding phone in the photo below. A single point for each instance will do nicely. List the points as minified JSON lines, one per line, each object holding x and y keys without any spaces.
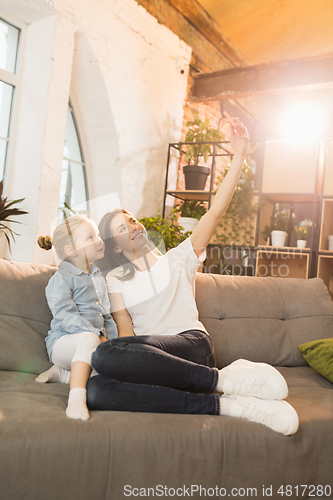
{"x":230,"y":120}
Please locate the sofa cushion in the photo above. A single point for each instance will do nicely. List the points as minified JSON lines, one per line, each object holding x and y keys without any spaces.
{"x":263,"y":319}
{"x":24,"y":316}
{"x":319,"y":355}
{"x":46,"y":456}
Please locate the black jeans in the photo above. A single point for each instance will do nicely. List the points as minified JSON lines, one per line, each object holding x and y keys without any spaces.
{"x":155,"y":373}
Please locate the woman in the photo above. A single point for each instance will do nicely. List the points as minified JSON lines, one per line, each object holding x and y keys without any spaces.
{"x":163,"y":360}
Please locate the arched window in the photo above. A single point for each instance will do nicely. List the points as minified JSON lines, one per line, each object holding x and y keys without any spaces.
{"x":9,"y":42}
{"x":73,"y":190}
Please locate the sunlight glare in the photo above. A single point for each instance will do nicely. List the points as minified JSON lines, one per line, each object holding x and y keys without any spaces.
{"x":302,"y":123}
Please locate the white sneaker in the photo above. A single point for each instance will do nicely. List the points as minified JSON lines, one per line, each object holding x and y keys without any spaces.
{"x":277,"y":415}
{"x":245,"y":378}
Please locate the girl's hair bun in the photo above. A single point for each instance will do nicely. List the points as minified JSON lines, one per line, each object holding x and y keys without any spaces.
{"x":45,"y":242}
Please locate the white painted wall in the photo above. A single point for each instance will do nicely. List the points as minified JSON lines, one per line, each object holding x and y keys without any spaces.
{"x":122,"y":71}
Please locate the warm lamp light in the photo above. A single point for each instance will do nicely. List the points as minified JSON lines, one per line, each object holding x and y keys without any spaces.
{"x":302,"y":123}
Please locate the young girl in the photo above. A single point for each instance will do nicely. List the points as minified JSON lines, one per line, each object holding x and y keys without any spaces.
{"x":79,"y":303}
{"x":164,"y":359}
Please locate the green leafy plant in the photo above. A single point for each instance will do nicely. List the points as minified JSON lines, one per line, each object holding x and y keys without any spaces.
{"x":279,"y":222}
{"x":6,"y":213}
{"x":236,"y":224}
{"x":199,"y":132}
{"x":67,"y":210}
{"x":191,"y":208}
{"x":164,"y":232}
{"x":302,"y":232}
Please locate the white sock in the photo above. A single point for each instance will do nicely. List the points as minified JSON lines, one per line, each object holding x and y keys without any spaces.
{"x":220,"y":381}
{"x":54,"y":374}
{"x":77,"y":404}
{"x":225,"y":406}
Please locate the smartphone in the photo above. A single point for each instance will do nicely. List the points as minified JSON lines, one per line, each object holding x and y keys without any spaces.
{"x":231,"y":121}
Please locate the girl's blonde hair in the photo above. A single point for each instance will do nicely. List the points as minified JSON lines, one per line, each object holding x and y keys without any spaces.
{"x":111,"y":258}
{"x":62,"y":236}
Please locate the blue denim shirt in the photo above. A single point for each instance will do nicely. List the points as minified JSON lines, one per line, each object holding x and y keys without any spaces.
{"x":79,"y":303}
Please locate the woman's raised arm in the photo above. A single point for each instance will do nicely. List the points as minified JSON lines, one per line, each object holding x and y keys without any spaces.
{"x":208,"y":223}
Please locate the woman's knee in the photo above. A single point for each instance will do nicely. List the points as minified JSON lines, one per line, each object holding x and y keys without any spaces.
{"x":101,"y":393}
{"x":93,"y":394}
{"x":102,"y":351}
{"x":107,"y":357}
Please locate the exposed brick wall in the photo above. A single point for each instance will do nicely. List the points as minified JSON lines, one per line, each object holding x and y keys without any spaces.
{"x":128,"y":74}
{"x":205,"y":58}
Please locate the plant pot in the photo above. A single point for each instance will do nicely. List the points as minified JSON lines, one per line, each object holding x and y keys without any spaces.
{"x":301,"y":243}
{"x":278,"y":238}
{"x":195,"y":177}
{"x":188,"y":223}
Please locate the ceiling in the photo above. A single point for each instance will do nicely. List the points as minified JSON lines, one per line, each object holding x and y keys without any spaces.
{"x":265,"y":31}
{"x":272,"y":30}
{"x":239,"y":33}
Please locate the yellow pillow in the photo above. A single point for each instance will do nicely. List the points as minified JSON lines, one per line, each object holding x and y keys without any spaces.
{"x":319,"y":355}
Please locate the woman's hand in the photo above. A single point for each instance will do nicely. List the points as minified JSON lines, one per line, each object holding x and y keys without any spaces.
{"x":239,"y":138}
{"x":208,"y":223}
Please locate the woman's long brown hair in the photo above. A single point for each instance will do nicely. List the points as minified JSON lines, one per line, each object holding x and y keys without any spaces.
{"x":111,"y":258}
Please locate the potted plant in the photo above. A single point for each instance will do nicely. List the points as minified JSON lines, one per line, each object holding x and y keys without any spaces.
{"x":189,"y":213}
{"x":302,"y":232}
{"x":199,"y":132}
{"x":6,"y":214}
{"x":279,"y":229}
{"x":164,"y":232}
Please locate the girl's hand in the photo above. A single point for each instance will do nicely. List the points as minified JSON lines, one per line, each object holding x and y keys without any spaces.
{"x":239,"y":138}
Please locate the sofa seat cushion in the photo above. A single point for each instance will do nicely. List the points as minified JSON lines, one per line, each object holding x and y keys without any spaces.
{"x":41,"y":449}
{"x":263,"y":319}
{"x":144,"y":450}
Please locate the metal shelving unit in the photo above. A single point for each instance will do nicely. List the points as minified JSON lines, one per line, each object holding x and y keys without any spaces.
{"x":324,"y":267}
{"x":219,"y":150}
{"x":303,"y":260}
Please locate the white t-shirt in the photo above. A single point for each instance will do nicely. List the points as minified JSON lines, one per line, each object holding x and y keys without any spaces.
{"x":161,"y":300}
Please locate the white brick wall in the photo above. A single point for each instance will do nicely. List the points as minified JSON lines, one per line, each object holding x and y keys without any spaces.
{"x":122,"y":70}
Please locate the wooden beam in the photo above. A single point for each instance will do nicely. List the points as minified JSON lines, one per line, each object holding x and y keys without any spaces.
{"x":206,"y":57}
{"x":192,"y":24}
{"x":304,"y":74}
{"x":209,"y":28}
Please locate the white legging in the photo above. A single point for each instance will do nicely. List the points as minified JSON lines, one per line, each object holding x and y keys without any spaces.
{"x":74,"y":347}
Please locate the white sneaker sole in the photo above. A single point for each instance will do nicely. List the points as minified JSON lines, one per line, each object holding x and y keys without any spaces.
{"x":243,"y":405}
{"x":282,"y":384}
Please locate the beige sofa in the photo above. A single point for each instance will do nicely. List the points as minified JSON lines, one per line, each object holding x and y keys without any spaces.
{"x":46,"y":456}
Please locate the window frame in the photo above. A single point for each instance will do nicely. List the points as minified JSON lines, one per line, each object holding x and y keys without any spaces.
{"x":83,"y":163}
{"x":15,"y":80}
